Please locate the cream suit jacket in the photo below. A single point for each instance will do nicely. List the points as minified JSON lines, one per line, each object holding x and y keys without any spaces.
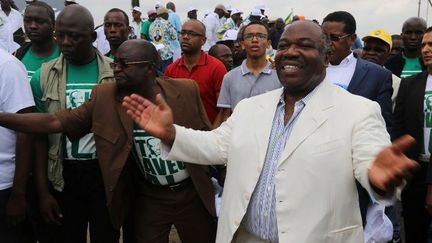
{"x":335,"y":139}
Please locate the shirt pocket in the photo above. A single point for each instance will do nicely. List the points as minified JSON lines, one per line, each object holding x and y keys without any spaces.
{"x":105,"y":132}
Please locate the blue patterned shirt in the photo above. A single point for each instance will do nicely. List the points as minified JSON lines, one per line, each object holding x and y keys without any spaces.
{"x":260,"y":218}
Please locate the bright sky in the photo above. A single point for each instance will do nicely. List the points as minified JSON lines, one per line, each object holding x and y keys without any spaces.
{"x":369,"y":14}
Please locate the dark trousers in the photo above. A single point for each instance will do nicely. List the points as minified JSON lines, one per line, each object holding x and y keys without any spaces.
{"x":9,"y":233}
{"x":84,"y":203}
{"x":43,"y":232}
{"x":416,"y":218}
{"x":157,"y":208}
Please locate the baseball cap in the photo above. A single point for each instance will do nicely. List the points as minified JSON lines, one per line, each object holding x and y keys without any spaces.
{"x":379,"y":34}
{"x":235,"y":11}
{"x":261,"y":7}
{"x":230,"y":35}
{"x":192,"y":9}
{"x":161,"y":10}
{"x":70,"y":1}
{"x":256,"y":12}
{"x":138,"y":9}
{"x":150,"y":12}
{"x":222,"y":7}
{"x":158,"y":4}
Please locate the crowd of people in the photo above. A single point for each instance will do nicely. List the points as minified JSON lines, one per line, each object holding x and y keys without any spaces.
{"x":139,"y":125}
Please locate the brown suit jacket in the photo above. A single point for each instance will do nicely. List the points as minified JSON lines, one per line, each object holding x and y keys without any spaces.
{"x":103,"y":115}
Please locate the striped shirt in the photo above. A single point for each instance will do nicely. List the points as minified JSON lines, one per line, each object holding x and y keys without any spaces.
{"x":260,"y":218}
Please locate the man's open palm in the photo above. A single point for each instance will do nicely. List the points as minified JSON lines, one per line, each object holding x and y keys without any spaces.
{"x":391,"y":166}
{"x":156,"y":119}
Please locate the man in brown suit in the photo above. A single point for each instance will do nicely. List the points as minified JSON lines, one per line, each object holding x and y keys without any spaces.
{"x":155,"y":193}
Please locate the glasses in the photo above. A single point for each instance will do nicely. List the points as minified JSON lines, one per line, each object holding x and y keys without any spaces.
{"x":259,"y":36}
{"x":338,"y":38}
{"x":122,"y":64}
{"x":189,"y":33}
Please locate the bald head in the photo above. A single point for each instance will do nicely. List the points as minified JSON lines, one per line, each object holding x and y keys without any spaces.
{"x":196,"y":26}
{"x":138,"y":49}
{"x":76,"y":14}
{"x":414,"y":21}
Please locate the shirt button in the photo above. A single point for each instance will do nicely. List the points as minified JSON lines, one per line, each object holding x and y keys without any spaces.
{"x":247,"y":196}
{"x":236,"y":222}
{"x":259,"y":168}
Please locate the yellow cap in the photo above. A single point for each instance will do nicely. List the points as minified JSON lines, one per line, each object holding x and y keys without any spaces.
{"x":380,"y":34}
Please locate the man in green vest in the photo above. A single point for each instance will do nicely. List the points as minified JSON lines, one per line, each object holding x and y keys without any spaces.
{"x":66,"y":82}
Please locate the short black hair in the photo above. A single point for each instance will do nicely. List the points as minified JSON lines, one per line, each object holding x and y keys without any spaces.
{"x":396,"y":37}
{"x":120,"y":11}
{"x":255,"y":23}
{"x":342,"y":17}
{"x":44,"y":5}
{"x":428,"y":30}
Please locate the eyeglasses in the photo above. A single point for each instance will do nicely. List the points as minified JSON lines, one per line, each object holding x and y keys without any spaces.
{"x":259,"y":36}
{"x":122,"y":64}
{"x":189,"y":33}
{"x":338,"y":38}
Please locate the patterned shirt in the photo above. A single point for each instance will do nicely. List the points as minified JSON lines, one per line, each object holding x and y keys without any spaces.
{"x":260,"y":218}
{"x":228,"y":25}
{"x":162,"y":32}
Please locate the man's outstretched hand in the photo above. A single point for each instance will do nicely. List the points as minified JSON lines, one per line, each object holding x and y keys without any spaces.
{"x":156,"y":119}
{"x":391,"y":166}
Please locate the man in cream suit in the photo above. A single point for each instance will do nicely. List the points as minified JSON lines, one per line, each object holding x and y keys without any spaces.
{"x":292,"y":154}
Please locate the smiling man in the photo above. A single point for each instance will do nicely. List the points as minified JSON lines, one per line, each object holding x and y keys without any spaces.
{"x":155,"y":193}
{"x":292,"y":154}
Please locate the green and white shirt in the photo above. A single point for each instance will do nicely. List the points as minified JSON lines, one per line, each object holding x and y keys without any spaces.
{"x":427,"y":148}
{"x":155,"y":170}
{"x":32,"y":62}
{"x":79,"y":83}
{"x":412,"y":66}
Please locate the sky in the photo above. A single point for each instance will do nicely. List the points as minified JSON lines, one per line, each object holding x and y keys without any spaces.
{"x":369,"y":14}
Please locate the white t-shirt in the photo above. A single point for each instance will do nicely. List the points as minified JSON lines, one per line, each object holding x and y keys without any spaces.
{"x":15,"y":95}
{"x":8,"y":26}
{"x":427,"y":105}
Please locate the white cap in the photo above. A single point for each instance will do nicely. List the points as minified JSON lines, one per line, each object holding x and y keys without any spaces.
{"x":235,"y":11}
{"x":192,"y":8}
{"x":138,"y":9}
{"x":228,"y":7}
{"x":230,"y":35}
{"x":256,"y":12}
{"x":158,"y":4}
{"x":261,"y":7}
{"x":70,"y":1}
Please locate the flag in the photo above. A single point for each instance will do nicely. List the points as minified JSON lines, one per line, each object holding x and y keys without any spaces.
{"x":288,"y":18}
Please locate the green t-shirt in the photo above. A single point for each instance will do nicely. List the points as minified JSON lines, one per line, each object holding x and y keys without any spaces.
{"x":155,"y":170}
{"x":32,"y":62}
{"x":412,"y":66}
{"x":145,"y":26}
{"x":79,"y":83}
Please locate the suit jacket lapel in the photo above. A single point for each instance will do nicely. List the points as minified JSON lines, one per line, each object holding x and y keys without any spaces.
{"x":359,"y":73}
{"x":419,"y":87}
{"x":125,"y":120}
{"x":310,"y":119}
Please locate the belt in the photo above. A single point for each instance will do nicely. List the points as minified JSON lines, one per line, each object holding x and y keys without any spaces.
{"x":179,"y":186}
